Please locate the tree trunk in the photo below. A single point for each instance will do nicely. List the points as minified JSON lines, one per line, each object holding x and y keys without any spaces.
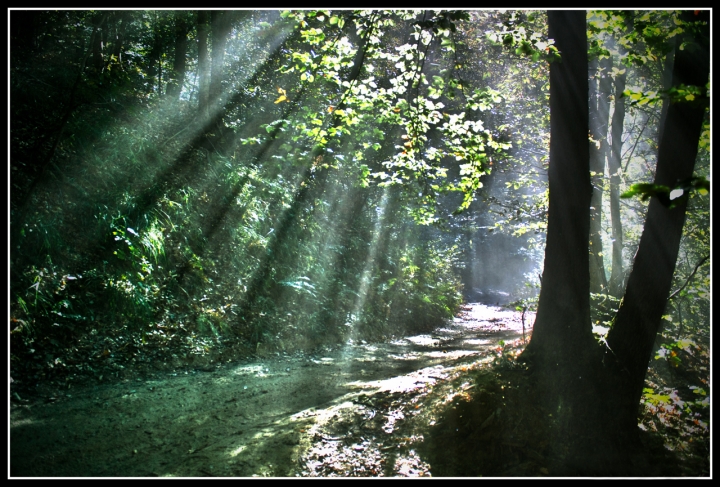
{"x":154,"y":59}
{"x":667,"y":80}
{"x":599,"y":115}
{"x":562,"y":334}
{"x":122,"y":19}
{"x":204,"y":75}
{"x":617,"y":276}
{"x":563,"y":310}
{"x":98,"y":62}
{"x":177,"y":79}
{"x":221,"y":26}
{"x":638,"y":321}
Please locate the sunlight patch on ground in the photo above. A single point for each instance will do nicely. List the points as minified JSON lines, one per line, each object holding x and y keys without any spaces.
{"x":477,"y":316}
{"x":257,"y":370}
{"x":405,"y":356}
{"x":366,"y":359}
{"x":404,"y":383}
{"x":450,"y":354}
{"x":323,"y":416}
{"x":424,"y":340}
{"x":238,"y":450}
{"x":24,"y":422}
{"x":411,"y":465}
{"x":477,"y":342}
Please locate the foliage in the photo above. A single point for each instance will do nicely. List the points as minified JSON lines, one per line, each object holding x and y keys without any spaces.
{"x":667,"y":196}
{"x":148,"y":241}
{"x":676,"y":401}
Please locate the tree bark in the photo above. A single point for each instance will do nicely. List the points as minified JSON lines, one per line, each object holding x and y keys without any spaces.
{"x":98,"y":61}
{"x":563,"y":318}
{"x":221,"y":26}
{"x":599,"y":115}
{"x":562,"y":349}
{"x":617,"y":276}
{"x":204,"y":75}
{"x":120,"y":24}
{"x":177,"y":79}
{"x":638,"y":321}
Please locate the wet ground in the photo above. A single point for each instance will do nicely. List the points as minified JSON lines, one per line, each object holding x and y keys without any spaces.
{"x":339,"y":412}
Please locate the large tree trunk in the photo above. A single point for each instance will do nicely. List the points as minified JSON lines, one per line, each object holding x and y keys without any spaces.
{"x":638,"y":321}
{"x":562,"y":336}
{"x":563,"y":318}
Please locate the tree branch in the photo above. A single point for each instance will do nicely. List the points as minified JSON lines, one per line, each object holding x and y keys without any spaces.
{"x":687,"y":281}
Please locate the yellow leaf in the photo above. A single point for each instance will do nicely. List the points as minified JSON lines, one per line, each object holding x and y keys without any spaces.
{"x":281,"y":99}
{"x":331,"y":108}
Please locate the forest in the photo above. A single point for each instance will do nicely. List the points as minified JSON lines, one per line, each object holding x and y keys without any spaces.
{"x":359,"y":243}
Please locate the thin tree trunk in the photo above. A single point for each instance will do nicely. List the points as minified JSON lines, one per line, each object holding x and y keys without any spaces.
{"x":221,"y":26}
{"x":177,"y":80}
{"x":599,"y":115}
{"x":98,"y":62}
{"x":203,"y":61}
{"x":122,"y":19}
{"x":617,"y":275}
{"x":153,"y":59}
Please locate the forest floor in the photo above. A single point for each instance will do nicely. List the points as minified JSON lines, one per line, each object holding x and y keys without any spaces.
{"x":426,"y":405}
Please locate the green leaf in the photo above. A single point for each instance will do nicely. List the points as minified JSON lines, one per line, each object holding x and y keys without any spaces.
{"x":647,"y":190}
{"x":669,"y":197}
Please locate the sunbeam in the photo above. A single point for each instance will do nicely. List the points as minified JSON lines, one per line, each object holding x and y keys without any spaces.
{"x":370,"y":264}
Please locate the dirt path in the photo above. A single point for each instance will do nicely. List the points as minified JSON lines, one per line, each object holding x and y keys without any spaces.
{"x":285,"y":416}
